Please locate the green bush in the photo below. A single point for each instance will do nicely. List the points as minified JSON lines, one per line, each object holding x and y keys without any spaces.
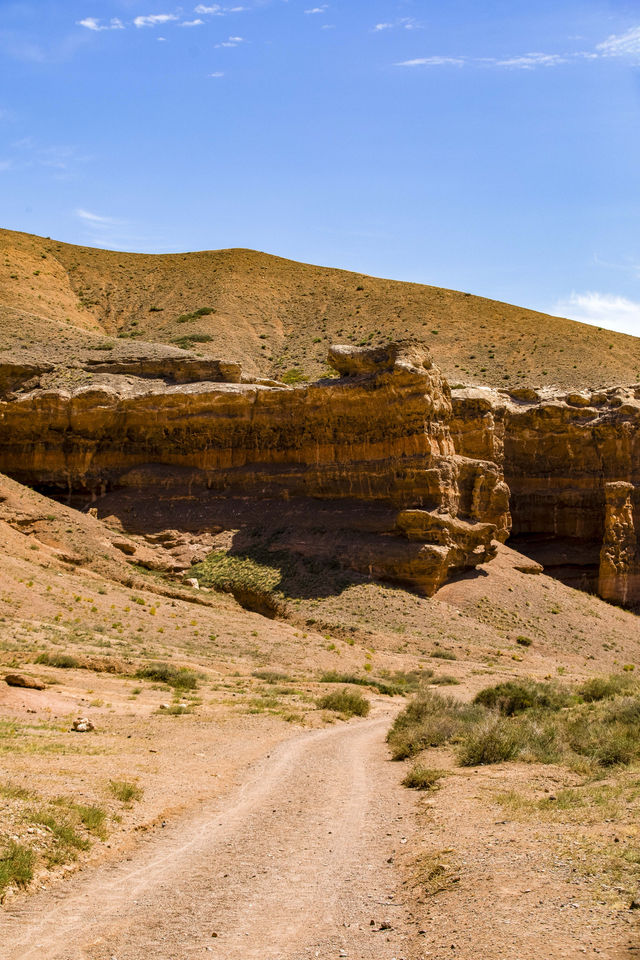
{"x":422,"y":778}
{"x":493,"y":741}
{"x":349,"y":703}
{"x":181,"y":678}
{"x":16,"y":866}
{"x":125,"y":791}
{"x":516,"y":696}
{"x":430,"y":720}
{"x":604,"y":688}
{"x":442,"y":655}
{"x":64,"y":660}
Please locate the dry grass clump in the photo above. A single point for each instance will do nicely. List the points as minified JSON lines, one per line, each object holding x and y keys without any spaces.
{"x":16,"y":866}
{"x":125,"y":791}
{"x":348,"y":703}
{"x":423,"y":778}
{"x":181,"y":678}
{"x":593,"y":726}
{"x":397,"y":684}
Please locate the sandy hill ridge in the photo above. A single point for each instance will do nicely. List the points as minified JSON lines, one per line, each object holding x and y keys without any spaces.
{"x":278,"y":317}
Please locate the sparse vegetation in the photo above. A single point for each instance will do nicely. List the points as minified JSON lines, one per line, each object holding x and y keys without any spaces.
{"x":423,"y":778}
{"x":16,"y":866}
{"x":348,"y":703}
{"x":181,"y":678}
{"x":530,"y":721}
{"x":126,"y":791}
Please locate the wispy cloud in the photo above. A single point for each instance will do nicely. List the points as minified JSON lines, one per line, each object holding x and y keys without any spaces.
{"x":623,"y":46}
{"x":404,"y":23}
{"x":191,"y":23}
{"x":322,"y":9}
{"x":601,"y":310}
{"x":95,"y":219}
{"x":215,"y":10}
{"x":154,"y":19}
{"x":216,"y":76}
{"x":91,"y":23}
{"x":434,"y":62}
{"x":231,"y":42}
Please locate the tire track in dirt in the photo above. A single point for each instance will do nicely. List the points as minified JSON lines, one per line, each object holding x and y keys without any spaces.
{"x":296,"y":863}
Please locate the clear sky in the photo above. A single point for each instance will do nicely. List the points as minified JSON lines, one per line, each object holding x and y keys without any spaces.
{"x":491,"y":146}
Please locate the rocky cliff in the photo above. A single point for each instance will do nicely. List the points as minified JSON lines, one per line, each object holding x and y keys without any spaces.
{"x":572,"y":464}
{"x":195,"y":441}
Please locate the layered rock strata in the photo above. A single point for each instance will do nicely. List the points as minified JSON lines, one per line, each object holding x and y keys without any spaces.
{"x":572,"y":463}
{"x":377,"y":436}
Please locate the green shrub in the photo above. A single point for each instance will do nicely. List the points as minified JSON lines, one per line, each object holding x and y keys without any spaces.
{"x":181,"y":678}
{"x":438,"y":654}
{"x":430,"y":720}
{"x":516,"y":696}
{"x":349,"y":703}
{"x":125,"y":791}
{"x":422,"y":778}
{"x":493,"y":741}
{"x":16,"y":866}
{"x":63,"y":660}
{"x":271,"y":676}
{"x":524,"y":641}
{"x":293,"y":376}
{"x":603,"y":688}
{"x":389,"y":688}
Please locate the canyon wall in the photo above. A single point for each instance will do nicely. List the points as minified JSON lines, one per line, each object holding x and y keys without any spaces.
{"x":572,"y":464}
{"x":374,"y":442}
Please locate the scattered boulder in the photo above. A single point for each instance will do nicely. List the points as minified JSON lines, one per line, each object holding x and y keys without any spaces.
{"x":17,"y":680}
{"x":192,"y":582}
{"x":82,"y":725}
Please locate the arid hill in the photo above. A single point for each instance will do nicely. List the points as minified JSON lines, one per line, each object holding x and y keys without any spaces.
{"x":278,"y":317}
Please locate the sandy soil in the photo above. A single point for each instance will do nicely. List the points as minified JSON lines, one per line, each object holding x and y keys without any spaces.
{"x":295,"y":863}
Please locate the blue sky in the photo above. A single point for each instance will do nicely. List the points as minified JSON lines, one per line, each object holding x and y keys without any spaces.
{"x":491,"y":146}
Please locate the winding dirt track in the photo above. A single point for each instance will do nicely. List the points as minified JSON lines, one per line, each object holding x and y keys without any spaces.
{"x":294,"y":864}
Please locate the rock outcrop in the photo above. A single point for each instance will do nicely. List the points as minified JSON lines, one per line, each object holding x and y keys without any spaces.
{"x":375,"y":442}
{"x":572,"y":463}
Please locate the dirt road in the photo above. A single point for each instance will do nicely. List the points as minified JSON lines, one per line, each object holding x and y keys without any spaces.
{"x":294,"y":864}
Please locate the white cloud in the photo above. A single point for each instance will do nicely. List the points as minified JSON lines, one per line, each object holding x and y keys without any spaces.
{"x":624,"y":45}
{"x":321,"y":9}
{"x":191,"y":23}
{"x":231,"y":42}
{"x":433,"y":62}
{"x":216,"y":9}
{"x":601,"y":310}
{"x":404,"y":23}
{"x":216,"y":75}
{"x":154,"y":19}
{"x":94,"y":218}
{"x":530,"y":60}
{"x":91,"y":23}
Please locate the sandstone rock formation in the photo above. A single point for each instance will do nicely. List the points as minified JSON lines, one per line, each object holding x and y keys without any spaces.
{"x":572,"y":463}
{"x":374,"y":443}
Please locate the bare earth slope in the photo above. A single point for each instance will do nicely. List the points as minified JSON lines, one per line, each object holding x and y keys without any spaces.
{"x":276,"y":315}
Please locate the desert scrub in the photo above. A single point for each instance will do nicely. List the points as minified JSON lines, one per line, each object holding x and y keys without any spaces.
{"x":348,"y":703}
{"x":394,"y":686}
{"x":16,"y":866}
{"x":65,"y":661}
{"x":528,"y":721}
{"x":180,"y":678}
{"x":430,"y":720}
{"x":516,"y":696}
{"x":125,"y":791}
{"x":423,"y":778}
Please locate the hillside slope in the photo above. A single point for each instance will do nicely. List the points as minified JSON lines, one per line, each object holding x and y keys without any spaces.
{"x":277,"y":316}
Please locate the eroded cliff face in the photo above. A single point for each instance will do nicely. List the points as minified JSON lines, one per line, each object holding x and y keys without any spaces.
{"x":375,"y":443}
{"x":572,"y":463}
